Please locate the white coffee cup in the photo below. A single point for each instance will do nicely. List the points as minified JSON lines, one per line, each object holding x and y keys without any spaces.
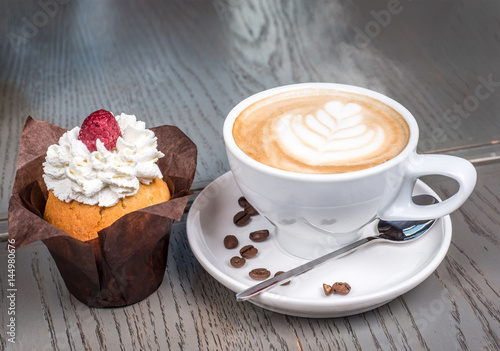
{"x":316,"y":213}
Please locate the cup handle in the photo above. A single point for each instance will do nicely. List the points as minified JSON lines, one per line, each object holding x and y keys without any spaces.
{"x":403,"y":208}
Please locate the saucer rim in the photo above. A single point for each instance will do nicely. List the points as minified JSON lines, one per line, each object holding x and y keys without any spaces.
{"x":320,"y":308}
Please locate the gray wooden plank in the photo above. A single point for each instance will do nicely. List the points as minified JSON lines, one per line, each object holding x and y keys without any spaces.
{"x":187,"y":63}
{"x":191,"y":310}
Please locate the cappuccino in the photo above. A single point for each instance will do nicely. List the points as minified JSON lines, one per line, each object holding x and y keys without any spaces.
{"x":320,"y":131}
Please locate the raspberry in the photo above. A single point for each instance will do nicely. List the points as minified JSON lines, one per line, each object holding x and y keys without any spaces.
{"x":100,"y":125}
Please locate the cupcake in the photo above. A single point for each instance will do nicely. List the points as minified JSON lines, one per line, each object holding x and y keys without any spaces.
{"x":103,"y":199}
{"x":100,"y":172}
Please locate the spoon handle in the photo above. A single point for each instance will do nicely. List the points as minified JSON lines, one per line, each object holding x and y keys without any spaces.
{"x":269,"y":283}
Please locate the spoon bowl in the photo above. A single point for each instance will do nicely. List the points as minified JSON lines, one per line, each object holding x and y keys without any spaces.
{"x":390,"y":231}
{"x":403,"y":231}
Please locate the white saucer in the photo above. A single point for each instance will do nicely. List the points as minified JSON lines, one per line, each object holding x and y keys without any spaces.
{"x":377,"y":273}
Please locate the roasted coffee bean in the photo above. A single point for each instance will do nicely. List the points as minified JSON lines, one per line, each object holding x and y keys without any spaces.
{"x":259,"y":235}
{"x":248,"y":251}
{"x":230,"y":242}
{"x":241,"y":218}
{"x":259,"y":274}
{"x":243,"y":202}
{"x":237,"y":262}
{"x":251,"y":210}
{"x":327,"y":289}
{"x":281,"y":272}
{"x":341,"y":288}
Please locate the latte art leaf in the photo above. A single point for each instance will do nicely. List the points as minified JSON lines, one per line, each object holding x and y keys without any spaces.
{"x":332,"y":134}
{"x":320,"y":131}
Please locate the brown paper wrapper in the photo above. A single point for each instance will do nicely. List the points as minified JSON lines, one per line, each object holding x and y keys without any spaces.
{"x":127,"y":262}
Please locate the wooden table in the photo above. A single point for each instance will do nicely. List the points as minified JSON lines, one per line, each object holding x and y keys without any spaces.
{"x":187,"y":63}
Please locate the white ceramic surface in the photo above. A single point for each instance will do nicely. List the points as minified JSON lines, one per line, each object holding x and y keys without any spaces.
{"x":377,"y":273}
{"x":304,"y":207}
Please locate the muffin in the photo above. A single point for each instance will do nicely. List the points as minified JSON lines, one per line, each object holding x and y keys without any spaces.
{"x":100,"y":172}
{"x":83,"y":221}
{"x":127,"y":261}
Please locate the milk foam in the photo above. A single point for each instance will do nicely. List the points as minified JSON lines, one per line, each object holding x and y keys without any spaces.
{"x":333,"y":134}
{"x":320,"y":131}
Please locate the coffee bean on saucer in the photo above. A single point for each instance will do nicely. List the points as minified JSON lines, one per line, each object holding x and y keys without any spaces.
{"x":259,"y":274}
{"x":281,"y":272}
{"x":259,"y":235}
{"x":241,"y":218}
{"x":251,"y":210}
{"x":341,"y":288}
{"x":237,"y":262}
{"x":243,"y":202}
{"x":230,"y":242}
{"x":248,"y":251}
{"x":327,"y":289}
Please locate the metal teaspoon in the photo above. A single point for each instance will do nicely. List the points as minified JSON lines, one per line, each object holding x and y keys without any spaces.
{"x":393,"y":231}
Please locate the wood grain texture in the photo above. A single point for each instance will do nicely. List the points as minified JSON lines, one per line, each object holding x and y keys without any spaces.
{"x":188,"y":63}
{"x":457,"y":307}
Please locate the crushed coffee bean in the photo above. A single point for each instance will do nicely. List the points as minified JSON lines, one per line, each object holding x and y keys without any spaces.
{"x":241,"y":218}
{"x":259,"y":274}
{"x":341,"y":288}
{"x":237,"y":262}
{"x":243,"y":202}
{"x":248,"y":251}
{"x":281,"y":272}
{"x":327,"y":289}
{"x":230,"y":242}
{"x":259,"y":235}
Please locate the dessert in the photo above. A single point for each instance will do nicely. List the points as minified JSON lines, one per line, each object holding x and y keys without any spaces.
{"x":98,"y":173}
{"x":127,"y":262}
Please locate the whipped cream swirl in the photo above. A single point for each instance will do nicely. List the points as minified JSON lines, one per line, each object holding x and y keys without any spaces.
{"x":333,"y":134}
{"x":102,"y":177}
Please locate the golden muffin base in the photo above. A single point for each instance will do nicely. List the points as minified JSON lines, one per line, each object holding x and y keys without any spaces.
{"x":84,"y":221}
